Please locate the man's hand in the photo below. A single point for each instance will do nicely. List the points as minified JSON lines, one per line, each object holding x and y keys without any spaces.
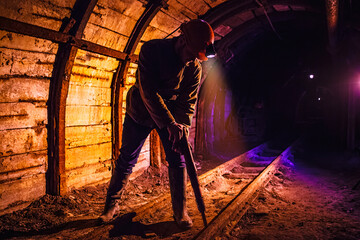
{"x":176,"y":132}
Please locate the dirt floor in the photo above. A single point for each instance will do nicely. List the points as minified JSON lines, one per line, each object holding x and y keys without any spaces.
{"x":311,"y":200}
{"x":51,"y":214}
{"x":52,"y":217}
{"x":314,"y":199}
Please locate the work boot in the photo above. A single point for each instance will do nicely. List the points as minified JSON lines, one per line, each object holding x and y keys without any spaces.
{"x":116,"y":189}
{"x":177,"y":179}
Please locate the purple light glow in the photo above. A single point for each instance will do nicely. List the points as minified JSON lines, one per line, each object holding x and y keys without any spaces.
{"x":311,"y":76}
{"x":287,"y":157}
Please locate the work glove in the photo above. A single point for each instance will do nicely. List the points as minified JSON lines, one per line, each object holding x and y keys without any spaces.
{"x":176,"y":133}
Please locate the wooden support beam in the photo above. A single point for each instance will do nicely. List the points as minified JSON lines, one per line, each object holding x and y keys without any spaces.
{"x":96,"y":48}
{"x":59,"y":85}
{"x":32,"y":30}
{"x":332,"y":17}
{"x":199,"y":141}
{"x":351,"y":117}
{"x":61,"y":37}
{"x":155,"y":149}
{"x":152,"y":8}
{"x":117,"y":90}
{"x":56,"y":180}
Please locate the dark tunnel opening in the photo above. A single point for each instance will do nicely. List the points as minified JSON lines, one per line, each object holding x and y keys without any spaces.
{"x":274,"y":73}
{"x":277,"y":87}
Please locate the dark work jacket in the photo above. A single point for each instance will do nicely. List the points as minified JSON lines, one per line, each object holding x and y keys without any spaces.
{"x":166,"y":89}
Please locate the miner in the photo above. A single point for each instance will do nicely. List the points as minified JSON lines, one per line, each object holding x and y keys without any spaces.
{"x":163,"y":98}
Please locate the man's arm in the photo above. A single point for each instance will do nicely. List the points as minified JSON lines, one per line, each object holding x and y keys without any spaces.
{"x":185,"y":103}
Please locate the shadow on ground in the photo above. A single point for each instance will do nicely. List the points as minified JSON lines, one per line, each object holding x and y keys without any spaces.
{"x":124,"y":225}
{"x":77,"y":224}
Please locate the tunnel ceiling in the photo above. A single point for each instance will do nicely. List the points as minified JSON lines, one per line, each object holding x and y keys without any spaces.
{"x":143,"y":20}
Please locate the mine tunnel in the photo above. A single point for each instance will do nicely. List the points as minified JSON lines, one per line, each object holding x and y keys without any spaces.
{"x":275,"y":134}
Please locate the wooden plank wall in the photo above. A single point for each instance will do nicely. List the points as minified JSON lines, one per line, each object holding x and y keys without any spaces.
{"x":26,"y":65}
{"x":88,"y":120}
{"x":25,"y":71}
{"x":112,"y":22}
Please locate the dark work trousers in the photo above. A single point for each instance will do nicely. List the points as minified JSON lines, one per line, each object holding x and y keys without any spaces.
{"x":133,"y":138}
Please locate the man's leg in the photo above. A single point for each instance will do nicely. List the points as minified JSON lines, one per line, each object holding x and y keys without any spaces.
{"x":177,"y":179}
{"x":133,"y":138}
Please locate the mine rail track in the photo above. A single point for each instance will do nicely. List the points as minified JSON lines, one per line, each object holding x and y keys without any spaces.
{"x":230,"y":215}
{"x":227,"y":189}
